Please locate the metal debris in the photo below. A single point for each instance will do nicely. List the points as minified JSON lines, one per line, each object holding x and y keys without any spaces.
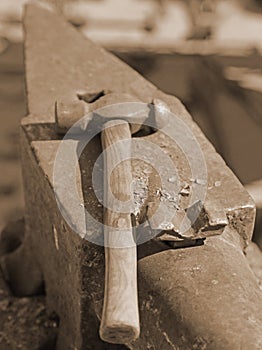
{"x":147,"y":171}
{"x":172,"y":179}
{"x":140,"y":193}
{"x":199,"y":181}
{"x":185,"y":191}
{"x":172,"y":199}
{"x":166,"y":226}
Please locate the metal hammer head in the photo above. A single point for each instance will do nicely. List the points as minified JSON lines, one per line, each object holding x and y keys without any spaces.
{"x":122,"y":106}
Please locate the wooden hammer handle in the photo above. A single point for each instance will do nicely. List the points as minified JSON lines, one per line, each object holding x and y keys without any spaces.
{"x":120,"y":316}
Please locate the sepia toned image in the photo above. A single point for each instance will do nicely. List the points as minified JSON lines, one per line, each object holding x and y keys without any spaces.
{"x":130,"y":174}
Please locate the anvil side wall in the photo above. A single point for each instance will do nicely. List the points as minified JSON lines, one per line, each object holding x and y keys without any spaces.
{"x":60,"y":267}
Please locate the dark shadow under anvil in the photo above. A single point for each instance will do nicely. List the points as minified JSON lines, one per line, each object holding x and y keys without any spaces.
{"x":203,"y":297}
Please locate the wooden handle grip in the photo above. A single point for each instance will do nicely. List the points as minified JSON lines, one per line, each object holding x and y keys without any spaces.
{"x":120,"y":317}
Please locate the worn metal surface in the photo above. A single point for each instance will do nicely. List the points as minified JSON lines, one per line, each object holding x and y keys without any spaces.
{"x":69,"y":112}
{"x":177,"y":287}
{"x":48,"y":57}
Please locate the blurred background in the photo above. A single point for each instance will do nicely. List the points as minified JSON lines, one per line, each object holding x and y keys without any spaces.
{"x":206,"y":52}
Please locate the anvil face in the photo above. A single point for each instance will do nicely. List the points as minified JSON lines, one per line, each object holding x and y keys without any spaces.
{"x":169,"y":185}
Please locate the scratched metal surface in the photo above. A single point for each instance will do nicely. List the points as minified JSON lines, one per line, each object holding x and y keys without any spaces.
{"x":48,"y":57}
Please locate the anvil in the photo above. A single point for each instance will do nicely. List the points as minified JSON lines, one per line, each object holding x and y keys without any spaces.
{"x":194,"y":297}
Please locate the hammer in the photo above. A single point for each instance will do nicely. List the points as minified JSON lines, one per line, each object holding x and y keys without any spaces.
{"x":120,"y":316}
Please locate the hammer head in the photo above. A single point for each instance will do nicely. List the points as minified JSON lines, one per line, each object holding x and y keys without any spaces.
{"x":108,"y":107}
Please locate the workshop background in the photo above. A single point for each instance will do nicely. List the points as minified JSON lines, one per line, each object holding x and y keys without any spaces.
{"x":205,"y":52}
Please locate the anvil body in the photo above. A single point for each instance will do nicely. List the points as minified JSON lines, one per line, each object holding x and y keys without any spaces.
{"x":201,"y":297}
